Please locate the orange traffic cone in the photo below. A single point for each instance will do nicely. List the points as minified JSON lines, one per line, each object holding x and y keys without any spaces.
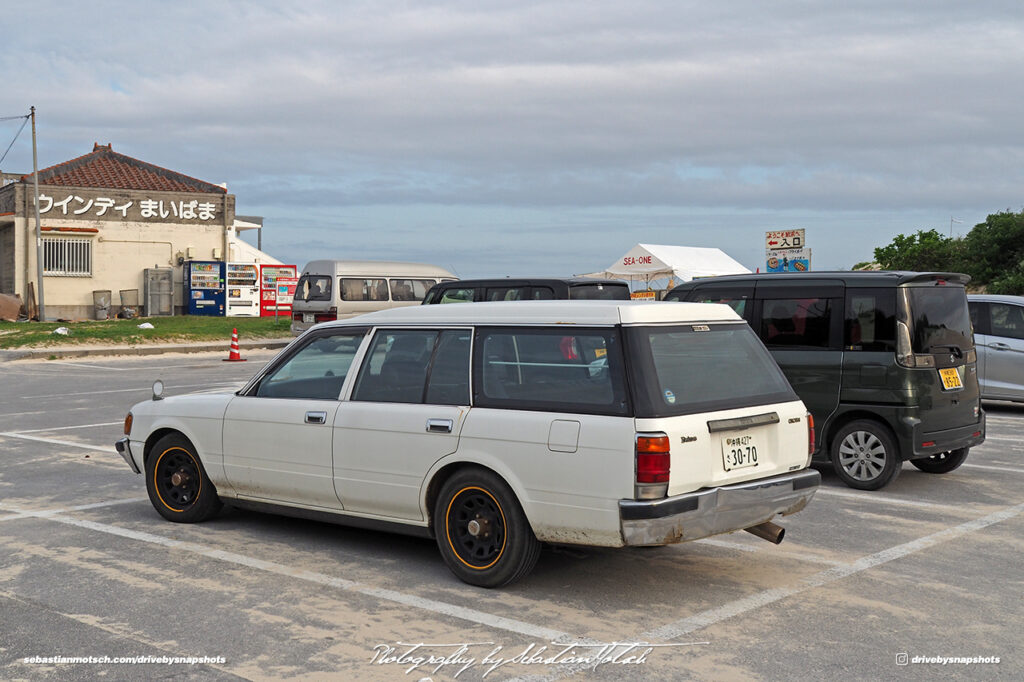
{"x":234,"y":355}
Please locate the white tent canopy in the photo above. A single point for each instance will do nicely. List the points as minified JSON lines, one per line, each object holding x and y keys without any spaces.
{"x":647,"y":262}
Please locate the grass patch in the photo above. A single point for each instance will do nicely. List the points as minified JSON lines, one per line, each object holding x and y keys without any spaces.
{"x":177,"y":329}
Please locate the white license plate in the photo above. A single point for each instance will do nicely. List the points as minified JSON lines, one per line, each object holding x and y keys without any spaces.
{"x":739,"y":451}
{"x":307,"y":317}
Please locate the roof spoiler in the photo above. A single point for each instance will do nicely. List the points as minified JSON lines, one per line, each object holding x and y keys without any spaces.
{"x":950,"y":277}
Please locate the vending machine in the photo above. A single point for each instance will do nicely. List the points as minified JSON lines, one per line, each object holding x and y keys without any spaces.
{"x":204,"y":287}
{"x":243,"y":290}
{"x":270,"y":303}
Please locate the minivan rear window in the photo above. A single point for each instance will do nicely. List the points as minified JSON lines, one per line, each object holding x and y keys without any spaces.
{"x":599,"y":292}
{"x":313,"y":288}
{"x":693,"y":368}
{"x":939,"y":319}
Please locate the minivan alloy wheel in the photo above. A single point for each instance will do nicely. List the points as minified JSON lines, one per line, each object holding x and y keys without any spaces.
{"x":862,"y":455}
{"x":865,"y":455}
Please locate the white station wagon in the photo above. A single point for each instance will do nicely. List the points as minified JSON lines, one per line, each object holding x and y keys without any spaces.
{"x":494,"y":427}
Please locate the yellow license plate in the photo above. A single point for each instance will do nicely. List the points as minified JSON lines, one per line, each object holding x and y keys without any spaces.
{"x":950,"y":378}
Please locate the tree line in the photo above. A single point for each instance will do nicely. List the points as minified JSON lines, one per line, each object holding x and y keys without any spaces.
{"x":992,"y":253}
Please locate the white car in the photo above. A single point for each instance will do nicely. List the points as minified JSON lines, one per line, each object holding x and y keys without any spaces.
{"x":494,"y":427}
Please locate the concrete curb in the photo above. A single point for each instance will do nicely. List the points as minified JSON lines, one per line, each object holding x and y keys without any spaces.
{"x":65,"y":352}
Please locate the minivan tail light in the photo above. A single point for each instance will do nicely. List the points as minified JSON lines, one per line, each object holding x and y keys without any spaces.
{"x":325,"y":317}
{"x":653,"y":459}
{"x":297,"y":317}
{"x":810,"y":434}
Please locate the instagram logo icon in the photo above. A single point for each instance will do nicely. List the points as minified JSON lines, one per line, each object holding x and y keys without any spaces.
{"x":902,"y":659}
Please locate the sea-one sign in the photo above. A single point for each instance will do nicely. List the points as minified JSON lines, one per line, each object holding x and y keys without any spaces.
{"x":784,"y":239}
{"x":637,"y":260}
{"x":83,"y":204}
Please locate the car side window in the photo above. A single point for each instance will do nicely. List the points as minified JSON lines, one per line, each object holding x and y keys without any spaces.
{"x":316,"y":372}
{"x":460,"y":295}
{"x":507,"y":294}
{"x":448,"y":379}
{"x":556,"y":370}
{"x":410,"y":289}
{"x":353,"y":289}
{"x":800,"y":322}
{"x":395,"y":368}
{"x":542,"y":294}
{"x":1006,"y":320}
{"x":870,"y":321}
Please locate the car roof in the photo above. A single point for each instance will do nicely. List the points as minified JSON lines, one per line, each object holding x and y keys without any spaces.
{"x":860,"y":278}
{"x":996,"y":298}
{"x":601,"y":313}
{"x":378,"y":268}
{"x":527,"y":281}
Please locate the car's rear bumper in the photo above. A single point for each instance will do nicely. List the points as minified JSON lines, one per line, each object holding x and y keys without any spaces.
{"x":927,"y":443}
{"x":711,"y":511}
{"x":124,"y":448}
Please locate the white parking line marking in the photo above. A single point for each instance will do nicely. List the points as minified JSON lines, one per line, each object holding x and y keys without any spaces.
{"x":81,"y":364}
{"x":735,"y":608}
{"x":992,"y":468}
{"x":802,"y":556}
{"x":422,"y":603}
{"x":52,"y":441}
{"x":18,"y":513}
{"x":884,"y":499}
{"x":1001,"y":439}
{"x":129,"y":390}
{"x":65,"y":428}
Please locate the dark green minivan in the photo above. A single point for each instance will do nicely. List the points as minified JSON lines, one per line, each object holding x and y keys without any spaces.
{"x":885,"y":362}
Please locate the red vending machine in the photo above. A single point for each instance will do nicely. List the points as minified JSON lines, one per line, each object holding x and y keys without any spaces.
{"x":269,"y":304}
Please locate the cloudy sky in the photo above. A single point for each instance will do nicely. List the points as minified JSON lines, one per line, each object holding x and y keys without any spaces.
{"x":502,"y":138}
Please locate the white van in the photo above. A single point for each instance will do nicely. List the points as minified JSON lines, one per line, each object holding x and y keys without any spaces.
{"x":494,"y":427}
{"x":337,"y":289}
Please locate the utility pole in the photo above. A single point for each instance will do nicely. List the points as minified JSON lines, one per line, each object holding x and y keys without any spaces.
{"x":951,"y":221}
{"x":39,"y":229}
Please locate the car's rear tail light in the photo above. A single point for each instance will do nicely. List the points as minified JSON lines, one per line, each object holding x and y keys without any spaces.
{"x":810,"y":434}
{"x":297,"y":317}
{"x":653,"y":465}
{"x":325,"y":317}
{"x":128,"y":424}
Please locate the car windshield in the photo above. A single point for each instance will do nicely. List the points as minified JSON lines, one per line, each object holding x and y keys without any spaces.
{"x":939,"y":318}
{"x":599,"y":291}
{"x":313,"y":288}
{"x":699,"y":368}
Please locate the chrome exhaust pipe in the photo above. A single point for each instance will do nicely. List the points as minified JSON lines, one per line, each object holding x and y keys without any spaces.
{"x":768,"y":531}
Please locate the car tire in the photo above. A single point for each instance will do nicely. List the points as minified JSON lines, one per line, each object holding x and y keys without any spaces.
{"x":178,"y":486}
{"x":481,"y":530}
{"x":865,"y":455}
{"x":942,"y":463}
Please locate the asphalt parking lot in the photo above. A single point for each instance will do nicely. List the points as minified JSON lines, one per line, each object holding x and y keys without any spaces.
{"x":889,"y":584}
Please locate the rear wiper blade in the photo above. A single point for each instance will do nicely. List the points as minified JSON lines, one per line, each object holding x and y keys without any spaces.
{"x":953,"y":348}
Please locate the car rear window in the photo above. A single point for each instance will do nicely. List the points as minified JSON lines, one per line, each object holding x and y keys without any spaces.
{"x":939,"y":319}
{"x":692,"y":368}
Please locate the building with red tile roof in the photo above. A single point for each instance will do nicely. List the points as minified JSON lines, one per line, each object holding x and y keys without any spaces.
{"x":106,"y":220}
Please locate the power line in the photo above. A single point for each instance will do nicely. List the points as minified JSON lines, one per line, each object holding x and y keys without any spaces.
{"x":14,"y":139}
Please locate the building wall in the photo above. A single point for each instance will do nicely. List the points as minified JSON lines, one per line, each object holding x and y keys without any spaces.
{"x":6,"y":257}
{"x":124,"y":243}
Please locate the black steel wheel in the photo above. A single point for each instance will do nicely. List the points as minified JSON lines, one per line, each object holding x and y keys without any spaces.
{"x":865,"y":455}
{"x":178,"y":486}
{"x":942,"y":463}
{"x":481,"y":530}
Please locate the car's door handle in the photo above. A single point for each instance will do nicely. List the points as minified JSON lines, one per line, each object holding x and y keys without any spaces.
{"x":440,"y":425}
{"x":999,"y":346}
{"x":316,"y":417}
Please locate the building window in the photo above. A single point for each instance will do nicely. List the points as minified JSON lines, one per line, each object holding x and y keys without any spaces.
{"x":67,"y":257}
